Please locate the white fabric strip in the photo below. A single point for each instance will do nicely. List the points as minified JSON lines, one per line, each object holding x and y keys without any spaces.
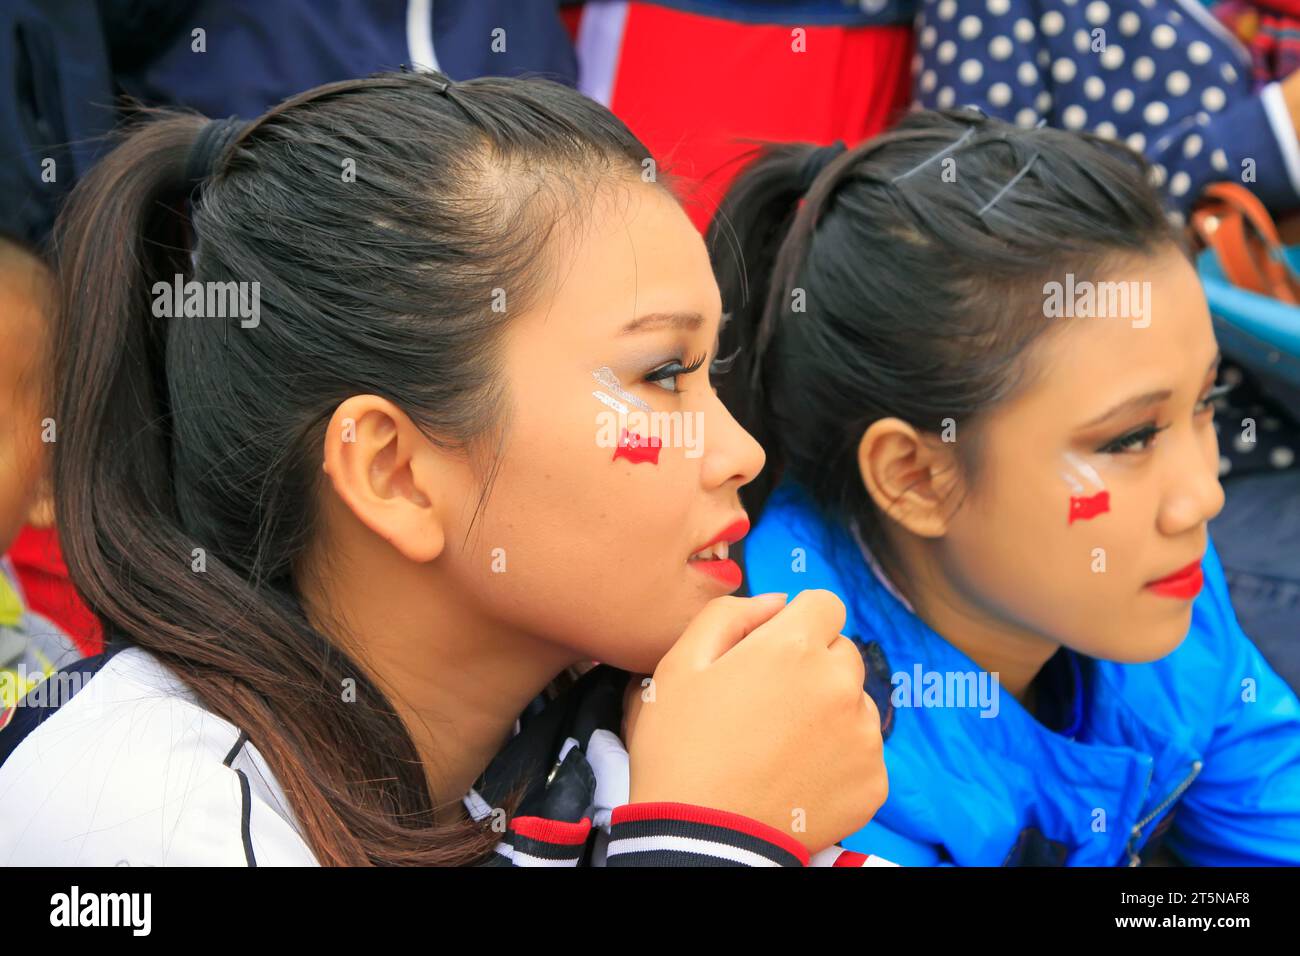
{"x":419,"y":35}
{"x":600,"y":40}
{"x":687,"y":845}
{"x":1284,"y":131}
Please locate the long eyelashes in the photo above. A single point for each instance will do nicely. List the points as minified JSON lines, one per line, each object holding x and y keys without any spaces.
{"x":1207,"y":404}
{"x":670,"y":371}
{"x":693,"y":365}
{"x":1135,"y":440}
{"x":1140,"y":438}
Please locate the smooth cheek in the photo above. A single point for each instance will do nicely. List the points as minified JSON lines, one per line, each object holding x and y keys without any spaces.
{"x":1105,"y":583}
{"x":1085,"y":591}
{"x":1015,"y":554}
{"x":1122,"y":621}
{"x":590,"y":544}
{"x":648,"y":594}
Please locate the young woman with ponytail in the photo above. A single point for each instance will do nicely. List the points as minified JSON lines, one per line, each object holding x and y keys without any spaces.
{"x":351,"y":543}
{"x":1006,"y":467}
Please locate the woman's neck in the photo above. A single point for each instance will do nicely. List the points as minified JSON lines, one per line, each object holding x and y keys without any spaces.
{"x":457,"y":679}
{"x":1015,"y":654}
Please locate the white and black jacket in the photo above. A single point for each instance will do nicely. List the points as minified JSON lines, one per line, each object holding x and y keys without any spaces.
{"x":120,"y":765}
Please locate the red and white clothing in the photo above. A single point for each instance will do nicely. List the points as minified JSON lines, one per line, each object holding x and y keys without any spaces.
{"x":577,"y":813}
{"x":119,"y":765}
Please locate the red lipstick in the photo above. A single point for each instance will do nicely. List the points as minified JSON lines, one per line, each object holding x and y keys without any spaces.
{"x":712,"y":558}
{"x":1183,"y":585}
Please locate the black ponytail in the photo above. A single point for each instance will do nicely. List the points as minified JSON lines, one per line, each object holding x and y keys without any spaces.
{"x":754,"y":248}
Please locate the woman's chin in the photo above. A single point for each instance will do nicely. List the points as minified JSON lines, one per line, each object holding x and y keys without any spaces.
{"x":1157,"y":643}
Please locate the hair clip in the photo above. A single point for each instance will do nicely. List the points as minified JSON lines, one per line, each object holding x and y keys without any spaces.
{"x":1003,"y":191}
{"x":439,"y":84}
{"x":1016,"y":178}
{"x":943,"y":152}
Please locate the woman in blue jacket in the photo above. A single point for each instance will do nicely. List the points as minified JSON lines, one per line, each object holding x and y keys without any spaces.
{"x":983,"y":371}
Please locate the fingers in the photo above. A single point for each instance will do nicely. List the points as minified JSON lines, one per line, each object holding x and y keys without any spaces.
{"x":849,"y":658}
{"x":722,"y":624}
{"x":812,"y":616}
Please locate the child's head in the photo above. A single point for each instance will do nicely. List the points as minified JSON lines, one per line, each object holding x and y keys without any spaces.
{"x":419,"y":409}
{"x":26,"y":301}
{"x":1007,"y":400}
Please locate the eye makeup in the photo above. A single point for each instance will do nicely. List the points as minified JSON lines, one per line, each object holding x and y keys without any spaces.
{"x":631,"y":445}
{"x":1140,"y":438}
{"x":1137,"y":440}
{"x":670,"y":372}
{"x":1084,"y":505}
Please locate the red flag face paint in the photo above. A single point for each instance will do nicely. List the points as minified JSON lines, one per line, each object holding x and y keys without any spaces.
{"x":631,"y":445}
{"x":1083,"y":508}
{"x":1083,"y":505}
{"x":637,"y":449}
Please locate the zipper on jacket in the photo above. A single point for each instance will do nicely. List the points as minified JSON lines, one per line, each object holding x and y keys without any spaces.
{"x":1136,"y":832}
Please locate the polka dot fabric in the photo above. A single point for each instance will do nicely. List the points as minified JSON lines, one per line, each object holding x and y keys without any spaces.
{"x":1161,"y":75}
{"x":1255,"y":434}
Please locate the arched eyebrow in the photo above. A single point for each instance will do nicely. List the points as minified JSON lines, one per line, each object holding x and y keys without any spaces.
{"x":1145,"y":399}
{"x":689,"y":321}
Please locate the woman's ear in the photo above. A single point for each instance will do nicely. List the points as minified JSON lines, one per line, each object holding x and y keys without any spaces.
{"x":910,"y":476}
{"x":388,"y":474}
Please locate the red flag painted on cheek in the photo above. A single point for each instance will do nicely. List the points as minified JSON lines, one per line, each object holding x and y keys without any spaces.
{"x":637,"y":449}
{"x":1083,"y":508}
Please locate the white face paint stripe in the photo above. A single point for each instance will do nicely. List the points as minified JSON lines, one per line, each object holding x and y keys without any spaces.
{"x":1074,"y":485}
{"x":1085,"y":469}
{"x":613,"y":403}
{"x":605,"y":375}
